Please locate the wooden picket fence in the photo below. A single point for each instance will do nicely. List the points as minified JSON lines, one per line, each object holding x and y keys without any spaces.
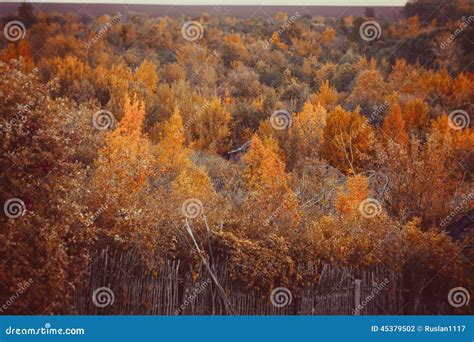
{"x":353,"y":292}
{"x":134,"y":291}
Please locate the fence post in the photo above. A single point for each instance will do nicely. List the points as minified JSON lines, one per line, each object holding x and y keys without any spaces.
{"x":357,"y":296}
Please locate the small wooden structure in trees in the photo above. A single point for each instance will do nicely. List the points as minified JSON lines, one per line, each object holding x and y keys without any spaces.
{"x":237,"y":153}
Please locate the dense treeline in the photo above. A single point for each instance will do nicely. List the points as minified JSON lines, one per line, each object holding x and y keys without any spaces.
{"x":116,"y":131}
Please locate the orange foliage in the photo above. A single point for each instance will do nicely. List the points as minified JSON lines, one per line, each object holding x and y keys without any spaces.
{"x":415,"y":115}
{"x":326,"y":96}
{"x":307,"y":131}
{"x":172,"y":154}
{"x":125,"y":162}
{"x":269,"y":183}
{"x":347,"y":203}
{"x":328,"y":36}
{"x":16,"y":51}
{"x":394,"y":125}
{"x":348,"y":140}
{"x":288,"y":197}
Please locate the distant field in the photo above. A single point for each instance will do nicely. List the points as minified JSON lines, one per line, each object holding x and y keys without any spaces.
{"x":386,"y":12}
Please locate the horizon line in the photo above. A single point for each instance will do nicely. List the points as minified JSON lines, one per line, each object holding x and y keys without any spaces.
{"x":223,"y":3}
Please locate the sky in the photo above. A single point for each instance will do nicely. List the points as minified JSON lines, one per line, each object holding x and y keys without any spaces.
{"x":242,"y":2}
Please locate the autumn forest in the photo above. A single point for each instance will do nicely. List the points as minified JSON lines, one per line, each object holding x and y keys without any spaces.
{"x":260,"y":153}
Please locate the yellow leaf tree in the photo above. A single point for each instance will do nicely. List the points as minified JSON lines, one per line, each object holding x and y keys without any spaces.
{"x":307,"y":130}
{"x":369,"y":90}
{"x":146,"y":75}
{"x":269,"y":184}
{"x":348,"y":140}
{"x":125,"y":162}
{"x":415,"y":114}
{"x":327,"y":36}
{"x":187,"y":180}
{"x":71,"y":69}
{"x":118,"y":78}
{"x":347,"y":203}
{"x":326,"y":96}
{"x":172,"y":154}
{"x":211,"y":127}
{"x":394,"y":125}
